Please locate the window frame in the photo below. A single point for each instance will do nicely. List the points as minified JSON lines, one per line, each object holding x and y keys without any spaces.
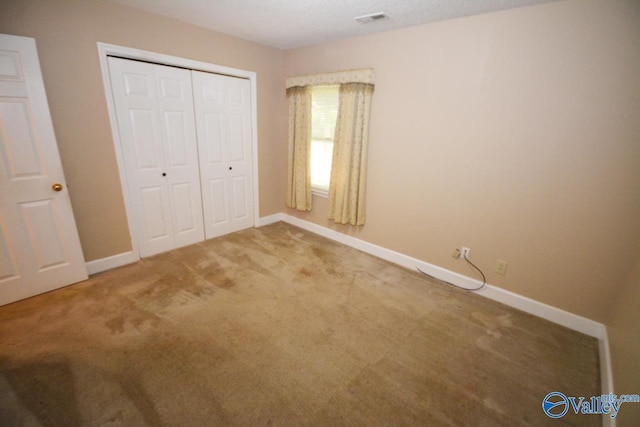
{"x":321,"y":191}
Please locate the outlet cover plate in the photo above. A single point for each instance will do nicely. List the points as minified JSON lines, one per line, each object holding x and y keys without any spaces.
{"x":501,"y":267}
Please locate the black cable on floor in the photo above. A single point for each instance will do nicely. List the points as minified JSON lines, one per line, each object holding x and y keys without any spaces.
{"x":484,"y":279}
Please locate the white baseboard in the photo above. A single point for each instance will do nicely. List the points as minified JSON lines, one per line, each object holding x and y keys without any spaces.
{"x":125,"y":258}
{"x":104,"y":264}
{"x":266,"y":220}
{"x":108,"y":263}
{"x":528,"y":305}
{"x":606,"y":375}
{"x":545,"y":311}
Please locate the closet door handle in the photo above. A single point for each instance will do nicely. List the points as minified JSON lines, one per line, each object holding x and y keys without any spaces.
{"x":230,"y":168}
{"x":164,"y":174}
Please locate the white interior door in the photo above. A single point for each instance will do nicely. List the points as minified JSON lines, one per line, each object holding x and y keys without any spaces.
{"x":223,"y":117}
{"x":39,"y":245}
{"x":154,"y":107}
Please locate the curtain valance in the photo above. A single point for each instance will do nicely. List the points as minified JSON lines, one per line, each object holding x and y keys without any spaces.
{"x":361,"y":75}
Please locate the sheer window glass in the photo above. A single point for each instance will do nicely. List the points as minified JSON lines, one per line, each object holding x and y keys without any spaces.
{"x":324,"y":112}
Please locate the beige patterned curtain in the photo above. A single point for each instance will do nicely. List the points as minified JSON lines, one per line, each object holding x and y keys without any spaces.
{"x":299,"y":175}
{"x":349,"y":165}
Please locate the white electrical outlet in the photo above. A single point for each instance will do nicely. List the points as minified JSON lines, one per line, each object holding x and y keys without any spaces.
{"x":501,"y":267}
{"x":465,"y":252}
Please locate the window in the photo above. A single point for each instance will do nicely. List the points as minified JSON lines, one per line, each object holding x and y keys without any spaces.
{"x":324,"y":112}
{"x":316,"y":161}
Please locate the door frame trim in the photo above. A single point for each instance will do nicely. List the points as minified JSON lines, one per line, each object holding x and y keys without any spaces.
{"x":105,"y":50}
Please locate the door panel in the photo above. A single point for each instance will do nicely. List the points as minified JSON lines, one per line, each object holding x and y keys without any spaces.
{"x":237,"y":138}
{"x":182,"y":196}
{"x":39,"y":245}
{"x":133,"y":85}
{"x":136,"y":84}
{"x":43,"y":231}
{"x":217,"y":196}
{"x":156,"y":225}
{"x":239,"y":185}
{"x":154,"y":106}
{"x":145,"y":139}
{"x":223,"y":117}
{"x":174,"y":125}
{"x":10,"y":68}
{"x":20,"y":146}
{"x":171,"y":88}
{"x":175,"y":103}
{"x":7,"y":264}
{"x":211,"y":138}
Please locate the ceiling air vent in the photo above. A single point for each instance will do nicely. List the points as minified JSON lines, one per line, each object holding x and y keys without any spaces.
{"x":365,"y":19}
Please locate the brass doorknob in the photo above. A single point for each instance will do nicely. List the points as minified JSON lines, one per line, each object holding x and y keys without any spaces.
{"x":57,"y":187}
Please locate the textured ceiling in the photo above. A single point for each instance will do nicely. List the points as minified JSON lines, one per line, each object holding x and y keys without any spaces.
{"x":286,"y":24}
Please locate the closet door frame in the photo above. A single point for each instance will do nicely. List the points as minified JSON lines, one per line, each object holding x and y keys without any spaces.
{"x":105,"y":50}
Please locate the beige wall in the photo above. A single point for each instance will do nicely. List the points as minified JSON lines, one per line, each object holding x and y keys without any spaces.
{"x":66,"y":33}
{"x":513,"y":133}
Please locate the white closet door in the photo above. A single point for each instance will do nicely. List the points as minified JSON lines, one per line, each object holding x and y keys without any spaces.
{"x":39,"y":245}
{"x":154,"y":107}
{"x":175,"y":101}
{"x":223,"y":117}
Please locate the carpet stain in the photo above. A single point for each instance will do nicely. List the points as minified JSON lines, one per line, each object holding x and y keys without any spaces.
{"x":116,"y":325}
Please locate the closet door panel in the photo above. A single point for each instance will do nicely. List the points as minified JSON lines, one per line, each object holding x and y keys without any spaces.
{"x":212,"y":139}
{"x":144,"y":139}
{"x":237,"y":140}
{"x":174,"y":127}
{"x":211,"y":135}
{"x":153,"y":200}
{"x":175,"y":103}
{"x":223,"y":119}
{"x":217,"y":196}
{"x":182,"y":201}
{"x":134,"y":92}
{"x":236,"y":100}
{"x":154,"y":107}
{"x":239,"y":188}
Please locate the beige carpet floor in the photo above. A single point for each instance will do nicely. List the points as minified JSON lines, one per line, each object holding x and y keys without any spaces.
{"x":278,"y":326}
